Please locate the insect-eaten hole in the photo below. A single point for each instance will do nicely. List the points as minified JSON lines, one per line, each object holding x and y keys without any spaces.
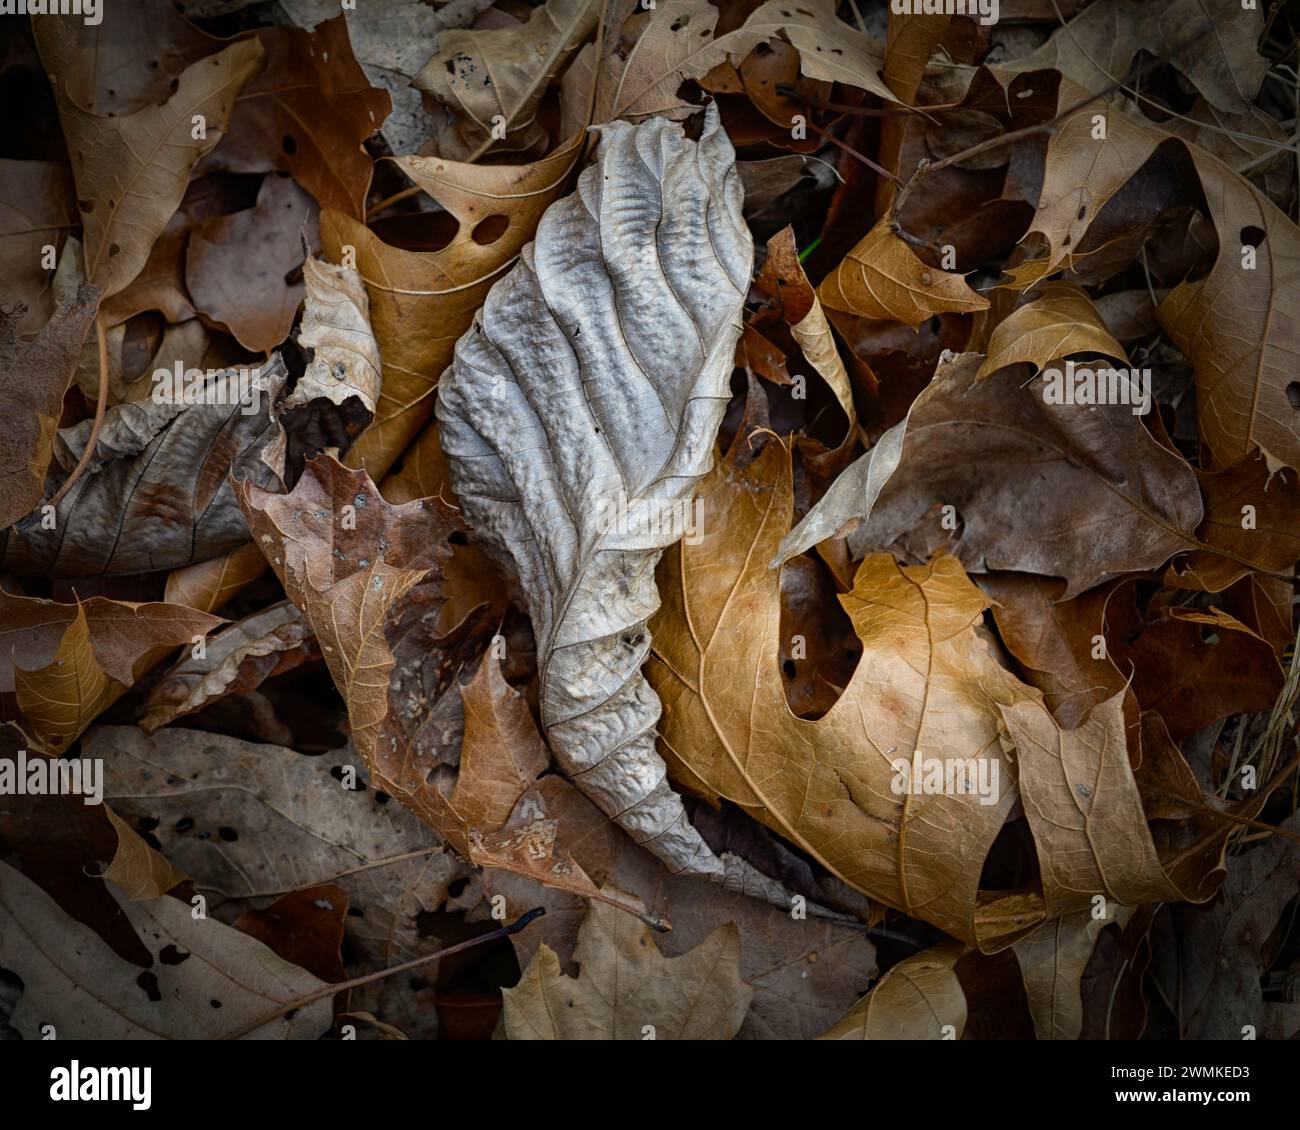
{"x":490,"y":229}
{"x":1293,"y":395}
{"x":288,"y":144}
{"x":148,"y":981}
{"x":170,"y":955}
{"x":1252,"y":236}
{"x":228,"y":834}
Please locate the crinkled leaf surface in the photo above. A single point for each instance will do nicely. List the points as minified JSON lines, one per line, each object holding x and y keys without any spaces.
{"x":579,"y":412}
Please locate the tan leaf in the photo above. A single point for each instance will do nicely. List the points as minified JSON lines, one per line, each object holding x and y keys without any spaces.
{"x":131,"y":172}
{"x":1084,"y":809}
{"x":882,"y":279}
{"x":645,"y":63}
{"x":237,"y":659}
{"x":37,"y":207}
{"x":1061,"y":321}
{"x":421,"y":302}
{"x":926,"y":682}
{"x":62,"y":698}
{"x":1052,"y":960}
{"x":626,"y":989}
{"x":336,"y":327}
{"x":138,"y":869}
{"x":207,"y":585}
{"x":1212,"y":42}
{"x":126,"y":637}
{"x":920,"y":998}
{"x":784,"y":276}
{"x":1234,"y":324}
{"x":236,"y":265}
{"x":493,"y":80}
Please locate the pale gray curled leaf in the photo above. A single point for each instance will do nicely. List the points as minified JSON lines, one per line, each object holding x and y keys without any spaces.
{"x":73,"y":979}
{"x":156,"y":493}
{"x":577,"y":415}
{"x":849,"y":498}
{"x":237,"y":659}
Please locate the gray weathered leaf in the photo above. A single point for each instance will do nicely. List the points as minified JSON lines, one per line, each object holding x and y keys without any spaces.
{"x":580,"y":410}
{"x":156,"y":493}
{"x":73,"y":979}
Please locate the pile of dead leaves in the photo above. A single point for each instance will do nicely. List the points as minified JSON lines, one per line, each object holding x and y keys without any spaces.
{"x":973,"y":688}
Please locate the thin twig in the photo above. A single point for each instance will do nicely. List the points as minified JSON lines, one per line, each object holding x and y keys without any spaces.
{"x":356,"y":982}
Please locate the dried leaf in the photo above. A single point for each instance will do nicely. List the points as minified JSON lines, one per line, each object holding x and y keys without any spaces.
{"x":493,"y":80}
{"x":56,"y":957}
{"x":236,"y":266}
{"x":37,"y":209}
{"x":421,"y":302}
{"x":576,"y":417}
{"x":882,"y":279}
{"x":131,"y":171}
{"x":255,"y":821}
{"x":308,"y":114}
{"x":675,"y":41}
{"x":627,"y":989}
{"x":138,"y":869}
{"x":920,"y":998}
{"x":33,"y":378}
{"x":336,"y":327}
{"x":926,"y":682}
{"x":159,"y":480}
{"x":1212,"y":42}
{"x":1105,"y":497}
{"x":237,"y":659}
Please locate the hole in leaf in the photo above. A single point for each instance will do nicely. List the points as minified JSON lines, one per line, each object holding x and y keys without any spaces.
{"x":490,"y":229}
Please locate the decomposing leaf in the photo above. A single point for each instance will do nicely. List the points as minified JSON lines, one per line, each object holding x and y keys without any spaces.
{"x":131,"y":171}
{"x":196,"y":962}
{"x":307,"y":114}
{"x":627,"y":989}
{"x":345,"y":360}
{"x":1208,"y":959}
{"x":37,"y":209}
{"x":159,"y":478}
{"x":33,"y":378}
{"x":236,"y":266}
{"x":237,"y":659}
{"x":493,"y":80}
{"x":576,"y":417}
{"x":1212,"y":42}
{"x":138,"y":869}
{"x":422,"y":301}
{"x":252,"y":822}
{"x":920,"y":998}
